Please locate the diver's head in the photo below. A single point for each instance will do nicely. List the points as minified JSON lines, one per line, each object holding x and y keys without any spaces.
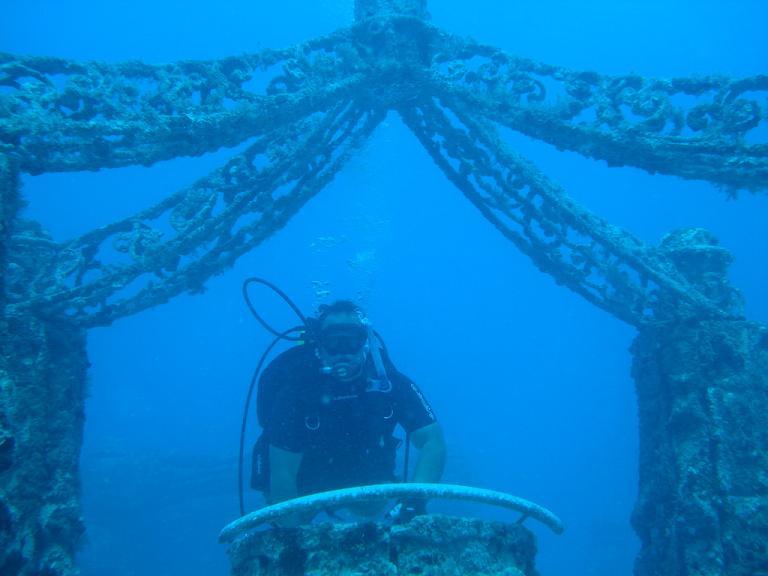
{"x":342,"y":343}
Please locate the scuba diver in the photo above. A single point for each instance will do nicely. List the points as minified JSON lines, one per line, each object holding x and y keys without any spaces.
{"x":328,"y":409}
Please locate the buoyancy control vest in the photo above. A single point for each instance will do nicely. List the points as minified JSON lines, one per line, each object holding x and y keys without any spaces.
{"x":311,"y":391}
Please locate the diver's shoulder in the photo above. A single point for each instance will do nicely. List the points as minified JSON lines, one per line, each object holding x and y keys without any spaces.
{"x":294,"y":358}
{"x":397,"y":378}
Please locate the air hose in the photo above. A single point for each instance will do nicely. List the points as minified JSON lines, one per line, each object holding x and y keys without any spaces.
{"x":295,"y":334}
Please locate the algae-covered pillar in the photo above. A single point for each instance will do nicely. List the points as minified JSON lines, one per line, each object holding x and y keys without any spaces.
{"x":42,"y":389}
{"x":702,"y":388}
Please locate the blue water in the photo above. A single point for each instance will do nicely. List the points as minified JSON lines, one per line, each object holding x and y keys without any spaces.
{"x":530,"y":382}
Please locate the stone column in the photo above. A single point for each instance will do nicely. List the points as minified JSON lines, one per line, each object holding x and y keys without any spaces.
{"x":42,"y":390}
{"x":9,"y":207}
{"x":702,"y":389}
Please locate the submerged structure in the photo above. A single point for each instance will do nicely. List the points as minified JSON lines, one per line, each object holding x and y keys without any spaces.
{"x":427,"y":545}
{"x":701,"y":369}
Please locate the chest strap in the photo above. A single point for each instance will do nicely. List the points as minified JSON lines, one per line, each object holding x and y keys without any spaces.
{"x":381,"y":383}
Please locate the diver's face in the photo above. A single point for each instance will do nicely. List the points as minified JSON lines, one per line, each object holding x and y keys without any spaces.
{"x":343,"y":346}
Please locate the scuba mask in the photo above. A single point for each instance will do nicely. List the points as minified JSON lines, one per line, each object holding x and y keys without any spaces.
{"x":343,"y":350}
{"x":343,"y":339}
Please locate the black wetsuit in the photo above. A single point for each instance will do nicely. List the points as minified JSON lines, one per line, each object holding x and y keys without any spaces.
{"x":344,"y":430}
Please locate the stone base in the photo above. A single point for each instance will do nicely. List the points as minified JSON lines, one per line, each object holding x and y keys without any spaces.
{"x":431,"y":545}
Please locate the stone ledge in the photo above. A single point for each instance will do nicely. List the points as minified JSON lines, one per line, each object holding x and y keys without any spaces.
{"x":429,"y":545}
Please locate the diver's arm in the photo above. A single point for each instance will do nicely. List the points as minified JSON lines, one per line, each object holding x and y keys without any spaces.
{"x":430,"y":442}
{"x":283,"y":469}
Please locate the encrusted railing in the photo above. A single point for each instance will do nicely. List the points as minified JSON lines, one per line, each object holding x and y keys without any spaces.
{"x":305,"y":109}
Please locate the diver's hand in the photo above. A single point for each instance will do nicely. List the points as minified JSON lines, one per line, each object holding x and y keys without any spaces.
{"x":406,"y":510}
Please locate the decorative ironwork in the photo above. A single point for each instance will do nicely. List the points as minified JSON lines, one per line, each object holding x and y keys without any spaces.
{"x":304,"y":110}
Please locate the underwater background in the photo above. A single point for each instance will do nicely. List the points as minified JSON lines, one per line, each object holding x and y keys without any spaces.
{"x":531,"y":383}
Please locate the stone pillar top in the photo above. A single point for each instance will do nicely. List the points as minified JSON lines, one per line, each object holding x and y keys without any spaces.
{"x":365,"y":9}
{"x":697,"y":254}
{"x":695,"y":251}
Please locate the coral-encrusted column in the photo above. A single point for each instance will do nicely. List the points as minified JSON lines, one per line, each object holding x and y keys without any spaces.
{"x":702,"y":389}
{"x":9,"y":207}
{"x":42,"y":389}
